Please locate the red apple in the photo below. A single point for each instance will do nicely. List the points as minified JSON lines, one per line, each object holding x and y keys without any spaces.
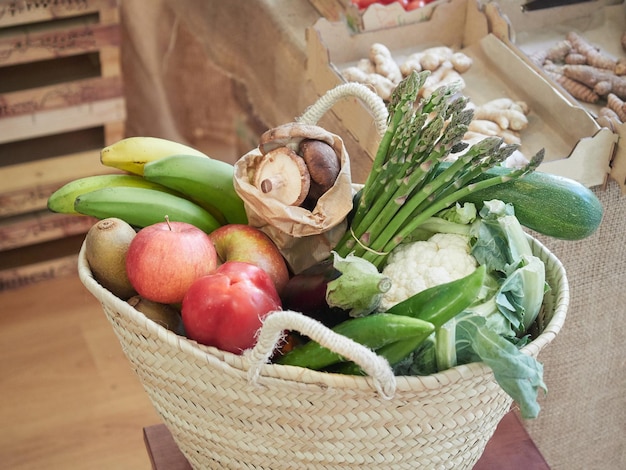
{"x":226,"y":308}
{"x":237,"y":242}
{"x":165,"y":258}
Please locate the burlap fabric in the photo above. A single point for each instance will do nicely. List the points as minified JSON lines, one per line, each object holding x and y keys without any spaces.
{"x":179,"y":64}
{"x":582,"y":423}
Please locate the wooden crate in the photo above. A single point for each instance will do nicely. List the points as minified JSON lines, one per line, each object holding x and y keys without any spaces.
{"x":19,"y":12}
{"x":61,"y":74}
{"x":41,"y":262}
{"x":61,"y":102}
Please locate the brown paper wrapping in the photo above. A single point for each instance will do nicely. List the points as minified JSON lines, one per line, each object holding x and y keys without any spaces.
{"x":304,"y":237}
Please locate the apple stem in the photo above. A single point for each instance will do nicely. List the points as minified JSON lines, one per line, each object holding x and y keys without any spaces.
{"x":167,"y":220}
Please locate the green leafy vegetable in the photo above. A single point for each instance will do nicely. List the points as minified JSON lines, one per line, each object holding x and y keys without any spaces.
{"x":520,"y":375}
{"x":503,"y":247}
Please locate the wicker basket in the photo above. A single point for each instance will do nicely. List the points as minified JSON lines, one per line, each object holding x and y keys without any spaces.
{"x":297,"y":418}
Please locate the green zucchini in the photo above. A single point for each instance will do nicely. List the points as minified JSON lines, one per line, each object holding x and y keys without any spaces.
{"x":548,"y":204}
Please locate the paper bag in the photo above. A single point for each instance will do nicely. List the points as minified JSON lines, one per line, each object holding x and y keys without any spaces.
{"x":303,"y":236}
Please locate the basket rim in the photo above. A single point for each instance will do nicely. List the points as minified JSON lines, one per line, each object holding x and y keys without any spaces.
{"x":238,"y":364}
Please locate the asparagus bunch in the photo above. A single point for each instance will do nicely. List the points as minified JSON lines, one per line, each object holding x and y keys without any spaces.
{"x":405,"y":186}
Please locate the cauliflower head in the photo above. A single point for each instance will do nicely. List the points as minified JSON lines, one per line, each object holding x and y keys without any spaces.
{"x":416,"y":266}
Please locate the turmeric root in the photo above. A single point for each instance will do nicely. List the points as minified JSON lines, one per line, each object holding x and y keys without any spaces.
{"x":594,"y":57}
{"x":617,"y":105}
{"x":608,"y":118}
{"x":620,"y":66}
{"x":574,"y":58}
{"x":602,"y":81}
{"x":559,"y":51}
{"x":576,"y":89}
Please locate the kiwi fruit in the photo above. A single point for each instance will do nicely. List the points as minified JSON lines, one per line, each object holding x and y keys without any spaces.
{"x":163,"y":314}
{"x":106,"y":245}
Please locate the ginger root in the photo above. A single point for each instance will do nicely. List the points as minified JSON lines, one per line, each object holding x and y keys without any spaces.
{"x":506,"y":113}
{"x":381,"y":85}
{"x":501,"y":117}
{"x":384,"y":63}
{"x":444,"y":75}
{"x":433,"y":58}
{"x":379,"y":71}
{"x":382,"y":72}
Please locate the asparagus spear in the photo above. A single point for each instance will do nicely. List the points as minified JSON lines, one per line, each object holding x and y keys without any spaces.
{"x":404,"y":188}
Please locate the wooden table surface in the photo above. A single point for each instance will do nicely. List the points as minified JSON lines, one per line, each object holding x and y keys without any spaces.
{"x":510,"y":448}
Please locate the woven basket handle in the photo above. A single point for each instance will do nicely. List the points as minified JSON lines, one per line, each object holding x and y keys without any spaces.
{"x":272,"y":332}
{"x":275,"y":324}
{"x":346,"y":90}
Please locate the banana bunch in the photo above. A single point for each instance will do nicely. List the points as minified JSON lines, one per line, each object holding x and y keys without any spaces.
{"x":161,"y":178}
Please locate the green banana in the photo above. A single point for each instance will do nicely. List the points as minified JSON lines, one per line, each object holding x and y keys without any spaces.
{"x":141,"y":207}
{"x":132,"y":153}
{"x":204,"y":180}
{"x":62,"y":200}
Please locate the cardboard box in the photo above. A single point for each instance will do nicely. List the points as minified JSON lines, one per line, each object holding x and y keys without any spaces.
{"x":575,"y":145}
{"x":376,"y":16}
{"x":600,"y":22}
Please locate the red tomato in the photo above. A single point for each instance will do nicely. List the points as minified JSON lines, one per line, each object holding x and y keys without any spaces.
{"x":363,"y":4}
{"x":225,"y":309}
{"x":415,"y":4}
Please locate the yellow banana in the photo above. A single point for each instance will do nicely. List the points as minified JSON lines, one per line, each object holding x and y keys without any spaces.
{"x":141,"y":207}
{"x":204,"y":180}
{"x":62,"y":200}
{"x":132,"y":153}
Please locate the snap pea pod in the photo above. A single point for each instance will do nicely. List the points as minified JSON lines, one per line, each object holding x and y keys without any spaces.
{"x":374,"y":331}
{"x":436,"y":305}
{"x":393,"y":352}
{"x":441,"y":303}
